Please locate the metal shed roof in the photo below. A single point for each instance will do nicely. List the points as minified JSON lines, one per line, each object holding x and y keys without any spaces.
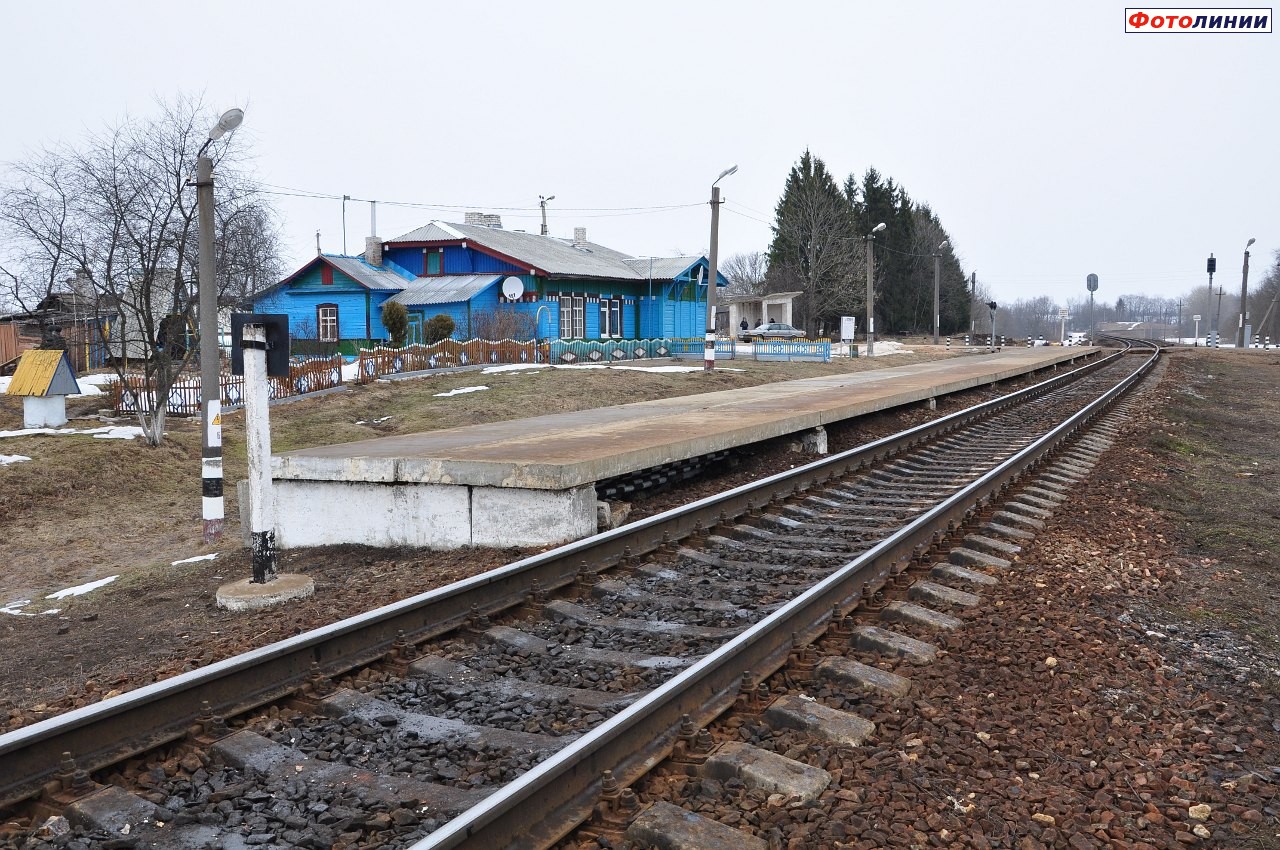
{"x":373,"y":277}
{"x":445,"y":289}
{"x":664,"y":268}
{"x":553,"y":255}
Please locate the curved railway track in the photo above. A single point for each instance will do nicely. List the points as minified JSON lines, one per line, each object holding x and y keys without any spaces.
{"x":508,"y":709}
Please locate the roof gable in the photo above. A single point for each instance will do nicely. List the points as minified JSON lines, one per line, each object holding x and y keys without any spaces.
{"x":44,"y":372}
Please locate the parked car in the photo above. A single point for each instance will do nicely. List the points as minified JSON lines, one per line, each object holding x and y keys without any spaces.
{"x":771,"y":330}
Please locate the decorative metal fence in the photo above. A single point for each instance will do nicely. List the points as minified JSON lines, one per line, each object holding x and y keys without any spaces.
{"x":305,"y":376}
{"x":571,"y":351}
{"x":374,"y":363}
{"x":779,"y":349}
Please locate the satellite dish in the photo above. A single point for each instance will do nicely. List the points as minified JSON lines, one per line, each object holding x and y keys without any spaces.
{"x":513,"y":288}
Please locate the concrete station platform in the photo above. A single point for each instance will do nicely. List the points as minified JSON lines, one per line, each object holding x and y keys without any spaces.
{"x":531,"y":482}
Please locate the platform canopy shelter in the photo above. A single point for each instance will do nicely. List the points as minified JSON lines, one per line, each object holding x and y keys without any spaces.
{"x":44,"y":378}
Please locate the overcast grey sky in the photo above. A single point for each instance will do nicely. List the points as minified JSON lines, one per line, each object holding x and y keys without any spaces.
{"x":1050,"y":143}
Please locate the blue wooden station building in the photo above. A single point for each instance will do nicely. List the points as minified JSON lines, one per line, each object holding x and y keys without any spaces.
{"x":567,"y":288}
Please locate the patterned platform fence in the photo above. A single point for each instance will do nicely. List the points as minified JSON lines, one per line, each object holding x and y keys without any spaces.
{"x":572,"y":351}
{"x":799,"y":350}
{"x":305,"y":376}
{"x":374,"y":363}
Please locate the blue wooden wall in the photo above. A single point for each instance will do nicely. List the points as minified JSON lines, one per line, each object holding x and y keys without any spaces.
{"x":359,"y":309}
{"x":457,"y":260}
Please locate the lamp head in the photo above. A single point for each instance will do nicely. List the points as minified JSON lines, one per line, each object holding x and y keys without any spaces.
{"x":1250,"y":242}
{"x":723,"y":174}
{"x":878,"y":227}
{"x":230,"y":120}
{"x":548,"y":198}
{"x":945,"y":243}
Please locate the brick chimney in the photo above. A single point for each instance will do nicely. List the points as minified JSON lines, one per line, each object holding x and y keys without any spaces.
{"x":373,"y":250}
{"x":579,"y":237}
{"x":483,"y":219}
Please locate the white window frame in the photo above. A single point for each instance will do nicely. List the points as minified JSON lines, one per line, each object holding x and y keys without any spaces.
{"x":327,"y":322}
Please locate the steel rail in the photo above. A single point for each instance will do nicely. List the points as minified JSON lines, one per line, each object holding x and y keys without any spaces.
{"x":544,"y":804}
{"x":106,"y":732}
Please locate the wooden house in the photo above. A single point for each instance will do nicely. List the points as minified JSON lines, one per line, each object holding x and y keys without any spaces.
{"x":476,"y":272}
{"x":44,"y":378}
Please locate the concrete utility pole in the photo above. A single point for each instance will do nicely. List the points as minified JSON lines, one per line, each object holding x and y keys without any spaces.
{"x":871,"y":288}
{"x":973,"y":294}
{"x":210,"y":371}
{"x":937,"y":285}
{"x":709,"y":355}
{"x":1242,"y":333}
{"x":257,"y":440}
{"x":542,"y":202}
{"x":1211,"y":338}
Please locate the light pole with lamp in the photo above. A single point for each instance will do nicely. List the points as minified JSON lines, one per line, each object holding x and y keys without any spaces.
{"x":709,"y":356}
{"x":542,"y":202}
{"x":1242,"y":333}
{"x":210,"y":395}
{"x":871,"y":288}
{"x":937,"y":284}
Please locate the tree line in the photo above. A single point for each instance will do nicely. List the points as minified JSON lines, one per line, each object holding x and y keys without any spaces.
{"x":819,"y":249}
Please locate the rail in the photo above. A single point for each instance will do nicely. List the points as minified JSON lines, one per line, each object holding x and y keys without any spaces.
{"x":104,"y":732}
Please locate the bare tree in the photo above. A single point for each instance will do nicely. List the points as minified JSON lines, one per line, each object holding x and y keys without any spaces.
{"x":119,"y":209}
{"x":746,"y":272}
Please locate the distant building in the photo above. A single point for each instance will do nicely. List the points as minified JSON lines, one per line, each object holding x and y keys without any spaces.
{"x":484,"y":277}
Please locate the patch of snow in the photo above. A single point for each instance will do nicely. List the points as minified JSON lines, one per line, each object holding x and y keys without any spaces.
{"x":81,"y":589}
{"x":107,"y":432}
{"x":8,"y":459}
{"x":350,"y":371}
{"x":460,"y":391}
{"x":15,"y":608}
{"x":208,"y":557}
{"x":512,"y":367}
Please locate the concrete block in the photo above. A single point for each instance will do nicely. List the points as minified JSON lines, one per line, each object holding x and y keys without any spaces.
{"x":919,"y":615}
{"x":766,"y":771}
{"x":669,"y":827}
{"x":875,"y":639}
{"x":1036,"y":502}
{"x":974,"y":558}
{"x":1008,"y":531}
{"x":818,"y":720}
{"x":932,"y":593}
{"x":110,"y":809}
{"x":1021,"y":506}
{"x":511,"y":516}
{"x":1055,"y":496}
{"x":991,"y":546}
{"x":327,"y":513}
{"x":1014,"y":518}
{"x":610,"y":515}
{"x":863,"y":677}
{"x":955,"y":572}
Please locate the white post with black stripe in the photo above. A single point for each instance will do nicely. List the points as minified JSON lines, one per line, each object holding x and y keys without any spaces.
{"x":257,"y":429}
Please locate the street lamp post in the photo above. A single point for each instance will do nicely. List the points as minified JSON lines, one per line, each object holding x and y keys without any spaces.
{"x":210,"y":395}
{"x":871,"y":289}
{"x":992,"y":307}
{"x":1242,"y":333}
{"x":709,"y":357}
{"x":937,"y":284}
{"x":542,"y":202}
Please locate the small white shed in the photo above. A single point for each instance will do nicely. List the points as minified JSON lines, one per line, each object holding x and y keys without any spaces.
{"x":44,"y":378}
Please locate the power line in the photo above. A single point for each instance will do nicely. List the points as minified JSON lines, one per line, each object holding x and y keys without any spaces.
{"x":290,"y":191}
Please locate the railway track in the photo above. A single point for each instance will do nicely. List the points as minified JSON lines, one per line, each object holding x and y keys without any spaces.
{"x":509,"y":709}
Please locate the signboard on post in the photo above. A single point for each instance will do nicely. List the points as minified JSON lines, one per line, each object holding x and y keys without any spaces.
{"x":848,"y":328}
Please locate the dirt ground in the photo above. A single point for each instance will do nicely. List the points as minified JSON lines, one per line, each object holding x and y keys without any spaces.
{"x":1176,"y":541}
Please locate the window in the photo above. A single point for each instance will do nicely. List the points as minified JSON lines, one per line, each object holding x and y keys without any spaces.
{"x":327,"y":322}
{"x":431,"y":262}
{"x":611,"y":317}
{"x":572,"y":316}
